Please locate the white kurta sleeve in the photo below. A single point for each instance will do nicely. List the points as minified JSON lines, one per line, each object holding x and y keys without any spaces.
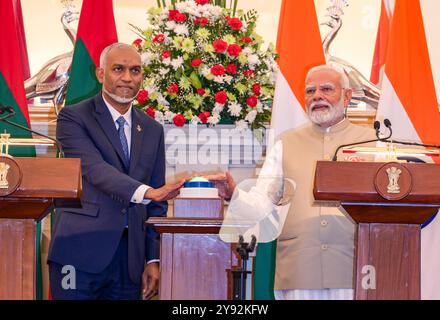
{"x":256,"y":203}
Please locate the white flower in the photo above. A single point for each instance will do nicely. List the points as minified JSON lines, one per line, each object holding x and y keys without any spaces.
{"x":181,"y":30}
{"x":214,"y":119}
{"x":218,"y":108}
{"x":161,"y":100}
{"x":206,"y":71}
{"x":234,"y":109}
{"x":170,"y":25}
{"x":219,"y":79}
{"x":247,"y":51}
{"x":159,"y":117}
{"x":253,"y":60}
{"x":241,"y":125}
{"x":250,"y":117}
{"x":166,"y":61}
{"x":169,"y":116}
{"x":163,"y":71}
{"x":195,"y":120}
{"x":147,"y":58}
{"x":228,"y":79}
{"x":163,"y":16}
{"x":151,"y":88}
{"x":177,"y":63}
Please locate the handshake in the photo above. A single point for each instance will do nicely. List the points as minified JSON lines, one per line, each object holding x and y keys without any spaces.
{"x":224,"y":182}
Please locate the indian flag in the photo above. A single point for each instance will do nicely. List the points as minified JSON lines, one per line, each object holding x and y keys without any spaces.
{"x":96,"y":30}
{"x":300,"y":48}
{"x":380,"y":50}
{"x":409,"y":100}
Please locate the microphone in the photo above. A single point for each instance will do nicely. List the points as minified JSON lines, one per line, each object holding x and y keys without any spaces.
{"x":7,"y":109}
{"x":11,"y":113}
{"x":376,"y":127}
{"x":387,"y":124}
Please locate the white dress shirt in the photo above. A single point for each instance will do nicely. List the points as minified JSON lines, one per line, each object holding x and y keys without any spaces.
{"x":138,"y":195}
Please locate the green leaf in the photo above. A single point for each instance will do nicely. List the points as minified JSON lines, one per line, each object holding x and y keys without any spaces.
{"x":195,"y":81}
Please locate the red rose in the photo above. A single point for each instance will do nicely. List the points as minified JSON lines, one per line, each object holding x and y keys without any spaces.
{"x":220,"y":46}
{"x":232,"y":68}
{"x":142,"y":96}
{"x":235,"y":23}
{"x":179,"y":120}
{"x":180,"y":17}
{"x":234,"y":50}
{"x":166,"y":54}
{"x":246,"y":40}
{"x":202,"y":21}
{"x":172,"y":14}
{"x":256,"y":88}
{"x":218,"y":70}
{"x":150,"y":111}
{"x":173,"y":88}
{"x":137,"y":42}
{"x":252,"y":101}
{"x":221,"y":97}
{"x":204,"y":116}
{"x":202,"y":2}
{"x":160,"y":38}
{"x":249,"y":73}
{"x":196,"y":62}
{"x":201,"y":91}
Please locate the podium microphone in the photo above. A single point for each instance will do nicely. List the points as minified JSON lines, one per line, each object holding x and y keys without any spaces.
{"x":387,"y":124}
{"x":376,"y":127}
{"x":11,"y":113}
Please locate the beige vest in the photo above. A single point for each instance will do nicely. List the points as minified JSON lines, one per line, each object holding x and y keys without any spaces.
{"x":315,"y":248}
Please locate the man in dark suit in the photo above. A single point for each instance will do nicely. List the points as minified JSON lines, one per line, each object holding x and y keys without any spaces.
{"x":104,"y":248}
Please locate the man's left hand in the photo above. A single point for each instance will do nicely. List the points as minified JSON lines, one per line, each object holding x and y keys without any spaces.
{"x":150,"y":280}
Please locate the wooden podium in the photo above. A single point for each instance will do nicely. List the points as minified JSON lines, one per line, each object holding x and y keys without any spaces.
{"x":195,"y":263}
{"x":389,"y":202}
{"x":40,"y":183}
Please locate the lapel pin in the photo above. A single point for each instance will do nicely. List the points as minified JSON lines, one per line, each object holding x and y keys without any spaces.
{"x":138,"y":128}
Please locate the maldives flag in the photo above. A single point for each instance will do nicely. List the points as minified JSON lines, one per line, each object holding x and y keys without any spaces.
{"x":409,"y":100}
{"x":11,"y":77}
{"x":300,"y":48}
{"x":96,"y":30}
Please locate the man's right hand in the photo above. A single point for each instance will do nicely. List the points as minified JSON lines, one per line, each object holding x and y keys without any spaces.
{"x":224,"y":182}
{"x":167,"y":192}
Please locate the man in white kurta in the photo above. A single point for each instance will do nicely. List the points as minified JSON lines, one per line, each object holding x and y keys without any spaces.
{"x":315,"y":249}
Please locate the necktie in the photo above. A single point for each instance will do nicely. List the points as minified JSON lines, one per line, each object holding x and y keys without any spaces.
{"x":121,"y":122}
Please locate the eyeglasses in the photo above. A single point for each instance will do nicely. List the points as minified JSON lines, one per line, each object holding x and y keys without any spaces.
{"x":326,"y":89}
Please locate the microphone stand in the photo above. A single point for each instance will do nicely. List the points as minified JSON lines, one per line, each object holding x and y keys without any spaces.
{"x":240,"y":275}
{"x":335,"y":156}
{"x":57,"y":144}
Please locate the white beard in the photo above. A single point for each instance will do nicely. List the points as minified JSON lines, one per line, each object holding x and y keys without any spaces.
{"x":117,"y":98}
{"x":331,"y":116}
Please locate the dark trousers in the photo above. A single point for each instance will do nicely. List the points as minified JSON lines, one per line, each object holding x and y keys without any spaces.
{"x":113,"y":283}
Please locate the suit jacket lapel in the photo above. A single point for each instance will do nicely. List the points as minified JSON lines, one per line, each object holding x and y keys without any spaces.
{"x":105,"y":120}
{"x":137,"y":136}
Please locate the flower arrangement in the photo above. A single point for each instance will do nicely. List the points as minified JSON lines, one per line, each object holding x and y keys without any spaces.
{"x":203,"y":64}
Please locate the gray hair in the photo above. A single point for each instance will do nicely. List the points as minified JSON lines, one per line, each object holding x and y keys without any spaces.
{"x":105,"y":52}
{"x":345,"y":84}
